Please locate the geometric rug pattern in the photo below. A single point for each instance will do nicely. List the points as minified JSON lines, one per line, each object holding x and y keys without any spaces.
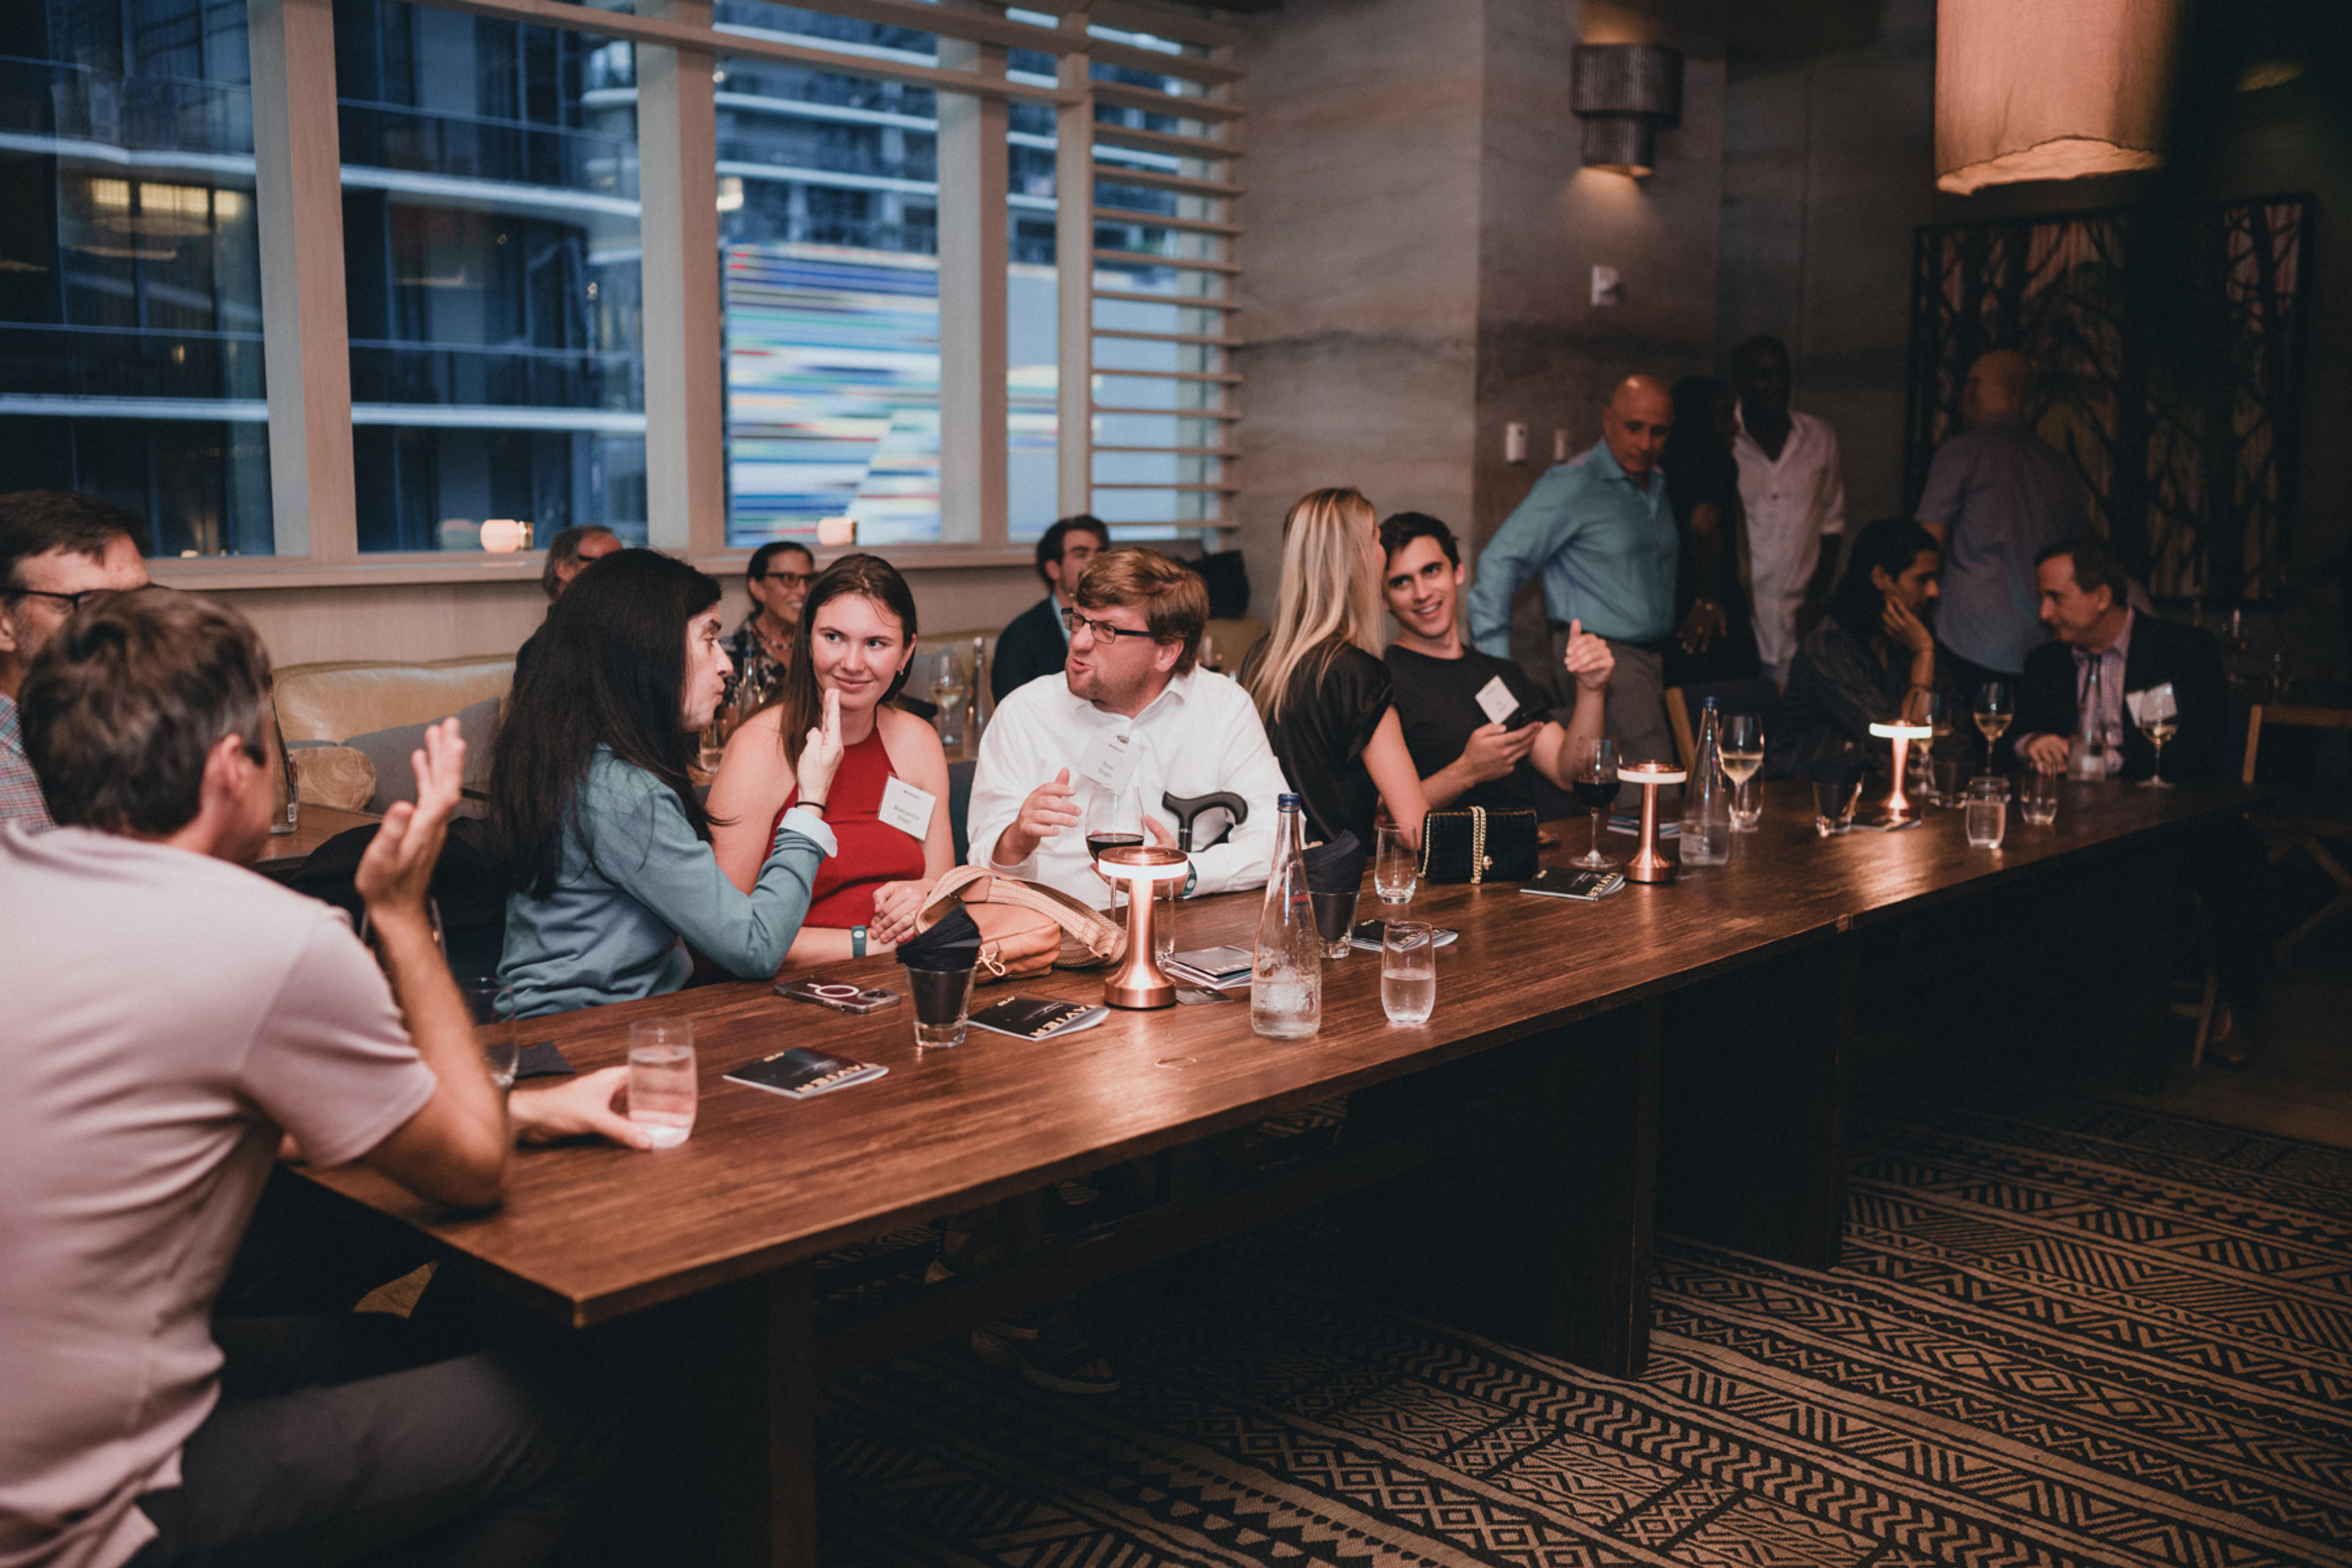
{"x":2064,"y":1333}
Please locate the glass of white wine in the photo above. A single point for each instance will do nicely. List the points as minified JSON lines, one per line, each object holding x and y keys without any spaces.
{"x":2159,"y":721}
{"x":1743,"y":758}
{"x":1996,"y":707}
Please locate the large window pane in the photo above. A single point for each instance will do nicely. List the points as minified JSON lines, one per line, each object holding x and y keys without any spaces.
{"x":828,"y":196}
{"x":129,"y":296}
{"x":490,"y":243}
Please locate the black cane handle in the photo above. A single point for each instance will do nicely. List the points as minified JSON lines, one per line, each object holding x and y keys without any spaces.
{"x":1185,"y":808}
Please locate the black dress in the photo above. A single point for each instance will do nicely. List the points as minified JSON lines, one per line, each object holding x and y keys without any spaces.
{"x":1732,"y":655}
{"x":1337,"y":696}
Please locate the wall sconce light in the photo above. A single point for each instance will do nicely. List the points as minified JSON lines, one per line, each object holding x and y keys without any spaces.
{"x":835,"y":532}
{"x":1625,"y":93}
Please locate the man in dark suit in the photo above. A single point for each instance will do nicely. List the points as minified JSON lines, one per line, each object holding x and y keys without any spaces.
{"x":1037,"y":643}
{"x":2112,"y":921}
{"x":2085,"y":604}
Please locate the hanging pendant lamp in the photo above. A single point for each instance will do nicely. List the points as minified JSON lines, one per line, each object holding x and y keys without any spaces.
{"x":2049,"y":89}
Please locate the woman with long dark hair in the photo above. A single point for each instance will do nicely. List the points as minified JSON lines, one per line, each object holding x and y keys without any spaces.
{"x":853,"y":645}
{"x":594,"y":820}
{"x":1716,"y":634}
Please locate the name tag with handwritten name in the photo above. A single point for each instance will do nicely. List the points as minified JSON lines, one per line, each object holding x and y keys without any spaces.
{"x":1109,"y":760}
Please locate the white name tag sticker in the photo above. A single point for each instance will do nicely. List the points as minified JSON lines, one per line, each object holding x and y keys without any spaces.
{"x":1496,"y":700}
{"x":906,"y":808}
{"x":1109,"y":760}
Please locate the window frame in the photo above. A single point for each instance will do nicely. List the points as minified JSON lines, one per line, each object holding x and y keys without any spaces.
{"x":306,"y":343}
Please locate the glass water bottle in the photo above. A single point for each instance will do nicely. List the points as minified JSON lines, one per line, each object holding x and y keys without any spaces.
{"x":1286,"y":971}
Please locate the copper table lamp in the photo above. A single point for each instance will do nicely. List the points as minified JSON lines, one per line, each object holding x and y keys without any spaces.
{"x":1138,"y":980}
{"x":1647,"y":865}
{"x":1898,"y":807}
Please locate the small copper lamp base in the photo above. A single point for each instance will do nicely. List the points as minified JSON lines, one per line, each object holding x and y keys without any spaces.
{"x":1140,"y":982}
{"x":1647,"y":865}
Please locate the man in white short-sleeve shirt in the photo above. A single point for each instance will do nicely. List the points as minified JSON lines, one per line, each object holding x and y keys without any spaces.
{"x":1793,"y":498}
{"x":1130,"y":708}
{"x":169,"y":1016}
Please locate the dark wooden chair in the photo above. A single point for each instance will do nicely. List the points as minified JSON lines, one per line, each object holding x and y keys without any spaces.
{"x":2300,"y":825}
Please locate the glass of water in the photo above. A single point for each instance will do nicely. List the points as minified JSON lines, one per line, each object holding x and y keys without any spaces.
{"x":2037,"y":798}
{"x":1396,"y":870}
{"x":1408,"y":971}
{"x":490,"y":1004}
{"x":1987,"y":811}
{"x":662,"y":1085}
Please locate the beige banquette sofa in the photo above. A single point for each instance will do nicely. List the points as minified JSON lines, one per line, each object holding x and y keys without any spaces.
{"x":323,"y":708}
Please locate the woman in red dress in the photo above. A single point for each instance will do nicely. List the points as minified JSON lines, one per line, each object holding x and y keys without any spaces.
{"x":888,"y":803}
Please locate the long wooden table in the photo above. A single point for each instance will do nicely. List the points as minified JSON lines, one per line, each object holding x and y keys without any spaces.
{"x":1566,"y":1003}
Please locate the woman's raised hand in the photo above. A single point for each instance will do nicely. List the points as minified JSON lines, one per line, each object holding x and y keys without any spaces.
{"x":821,"y":754}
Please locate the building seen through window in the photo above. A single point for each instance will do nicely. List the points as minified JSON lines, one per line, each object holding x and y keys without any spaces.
{"x":492,"y":260}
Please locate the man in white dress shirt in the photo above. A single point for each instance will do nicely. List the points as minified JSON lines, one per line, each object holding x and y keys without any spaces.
{"x":1794,"y":499}
{"x":1131,"y":707}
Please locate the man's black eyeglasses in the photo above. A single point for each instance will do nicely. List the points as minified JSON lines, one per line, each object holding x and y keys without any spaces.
{"x":802,"y":578}
{"x":1103,"y":630}
{"x":72,"y":602}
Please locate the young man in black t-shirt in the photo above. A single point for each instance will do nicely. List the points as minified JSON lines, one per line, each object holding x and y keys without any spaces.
{"x":1464,"y":754}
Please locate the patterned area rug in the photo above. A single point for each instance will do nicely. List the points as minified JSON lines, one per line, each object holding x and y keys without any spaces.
{"x":2066,"y":1333}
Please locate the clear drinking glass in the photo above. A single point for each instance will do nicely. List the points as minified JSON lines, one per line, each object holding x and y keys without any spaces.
{"x":1114,"y":820}
{"x":942,"y":999}
{"x":490,"y":1004}
{"x":662,"y":1084}
{"x":1592,"y":773}
{"x":2037,"y":798}
{"x":1987,"y":811}
{"x":1396,"y":870}
{"x":2159,"y":720}
{"x":1408,"y":971}
{"x":1834,"y":803}
{"x":1949,"y":774}
{"x":1743,"y":764}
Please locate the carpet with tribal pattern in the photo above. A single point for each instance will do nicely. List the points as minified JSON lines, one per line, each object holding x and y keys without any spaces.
{"x":2064,"y":1333}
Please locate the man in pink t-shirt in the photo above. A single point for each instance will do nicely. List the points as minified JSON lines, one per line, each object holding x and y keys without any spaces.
{"x":170,"y":1017}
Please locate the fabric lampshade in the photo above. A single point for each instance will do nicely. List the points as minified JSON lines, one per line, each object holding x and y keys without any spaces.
{"x":2049,"y":89}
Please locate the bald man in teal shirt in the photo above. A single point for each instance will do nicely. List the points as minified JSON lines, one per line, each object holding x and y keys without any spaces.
{"x":1599,"y":531}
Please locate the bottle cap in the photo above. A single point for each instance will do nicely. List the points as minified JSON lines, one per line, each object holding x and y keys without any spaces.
{"x":1710,"y":703}
{"x":1290,"y":803}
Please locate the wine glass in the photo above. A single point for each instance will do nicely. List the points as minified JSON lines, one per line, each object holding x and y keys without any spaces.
{"x":1743,"y":759}
{"x":1935,"y":713}
{"x":1114,"y":819}
{"x":1592,"y":774}
{"x":2159,"y":720}
{"x":1996,"y":707}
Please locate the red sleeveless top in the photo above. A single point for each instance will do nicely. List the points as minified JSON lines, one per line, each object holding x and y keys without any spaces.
{"x":872,"y":851}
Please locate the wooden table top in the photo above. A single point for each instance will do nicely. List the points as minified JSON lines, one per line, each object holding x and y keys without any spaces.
{"x":287,"y":852}
{"x":590,"y":1232}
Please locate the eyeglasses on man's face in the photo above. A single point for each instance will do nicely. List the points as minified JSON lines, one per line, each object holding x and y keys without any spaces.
{"x":72,"y":602}
{"x":1103,"y":631}
{"x":793,"y":579}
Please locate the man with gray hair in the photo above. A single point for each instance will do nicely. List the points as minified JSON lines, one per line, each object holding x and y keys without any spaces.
{"x":1599,"y":532}
{"x":1998,"y":496}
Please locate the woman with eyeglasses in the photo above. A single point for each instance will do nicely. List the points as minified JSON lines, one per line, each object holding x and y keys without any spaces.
{"x":888,"y":805}
{"x":778,"y":579}
{"x":1318,"y":682}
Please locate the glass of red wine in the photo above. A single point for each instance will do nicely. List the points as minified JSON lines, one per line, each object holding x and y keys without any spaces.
{"x":1592,"y":774}
{"x":1114,"y":819}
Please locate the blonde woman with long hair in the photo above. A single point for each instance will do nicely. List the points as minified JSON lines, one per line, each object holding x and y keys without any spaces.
{"x":1318,"y":678}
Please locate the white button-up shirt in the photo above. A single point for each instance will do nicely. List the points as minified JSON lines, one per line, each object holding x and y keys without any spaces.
{"x":1791,"y":504}
{"x":1200,"y":736}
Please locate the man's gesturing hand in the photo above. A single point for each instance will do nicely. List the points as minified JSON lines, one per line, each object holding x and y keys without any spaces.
{"x":1049,"y":809}
{"x":397,"y":867}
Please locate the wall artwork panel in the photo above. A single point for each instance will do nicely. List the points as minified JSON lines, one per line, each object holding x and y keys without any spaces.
{"x":2189,"y":453}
